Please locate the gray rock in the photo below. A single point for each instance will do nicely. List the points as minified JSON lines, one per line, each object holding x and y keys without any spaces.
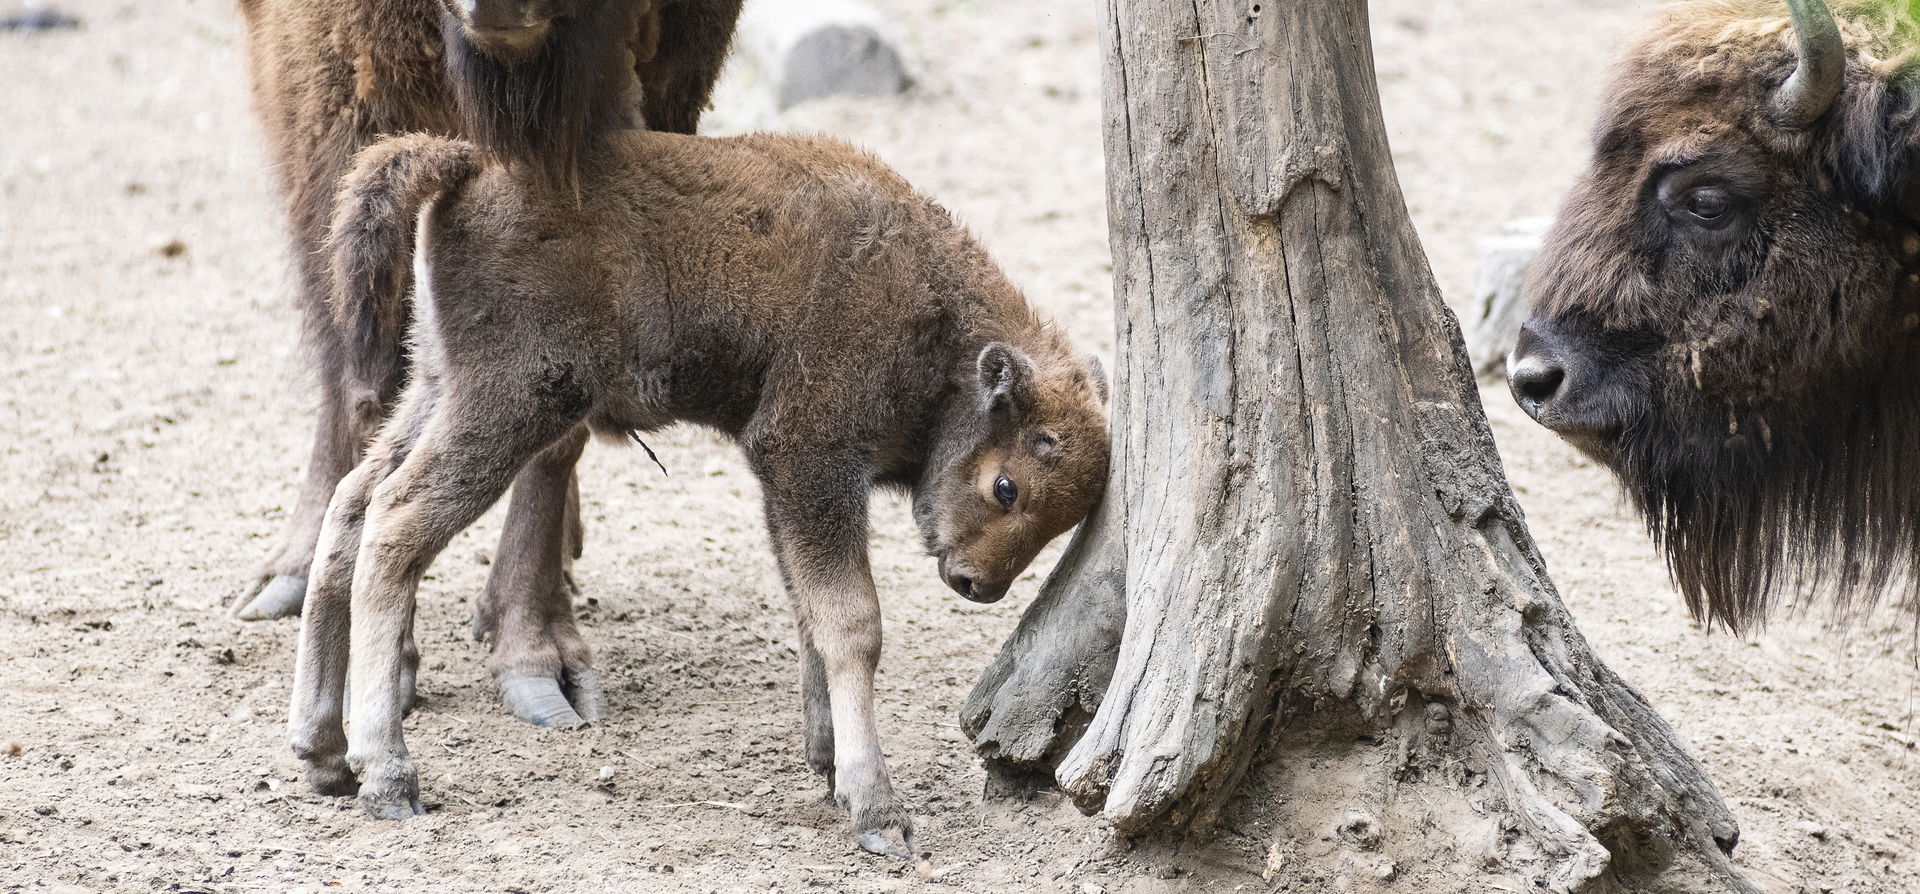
{"x":840,"y":60}
{"x":1499,"y":302}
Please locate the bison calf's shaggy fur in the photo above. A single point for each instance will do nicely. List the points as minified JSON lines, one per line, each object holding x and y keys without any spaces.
{"x":792,"y":293}
{"x":1728,"y":308}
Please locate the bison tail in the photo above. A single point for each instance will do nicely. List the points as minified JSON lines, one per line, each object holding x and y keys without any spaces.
{"x":372,"y":236}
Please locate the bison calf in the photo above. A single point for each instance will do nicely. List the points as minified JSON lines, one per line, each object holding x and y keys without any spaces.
{"x":792,"y":293}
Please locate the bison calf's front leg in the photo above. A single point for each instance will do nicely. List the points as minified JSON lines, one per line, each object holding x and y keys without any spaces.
{"x":823,"y":557}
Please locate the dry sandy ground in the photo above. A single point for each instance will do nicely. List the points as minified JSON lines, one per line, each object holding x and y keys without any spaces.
{"x":153,"y":423}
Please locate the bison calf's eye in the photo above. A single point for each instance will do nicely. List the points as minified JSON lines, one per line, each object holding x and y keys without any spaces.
{"x":1005,"y":492}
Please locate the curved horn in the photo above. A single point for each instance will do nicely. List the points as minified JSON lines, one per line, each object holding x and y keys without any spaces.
{"x":1817,"y":79}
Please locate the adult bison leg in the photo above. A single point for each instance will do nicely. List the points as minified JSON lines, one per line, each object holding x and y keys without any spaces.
{"x":280,"y":585}
{"x":540,"y":661}
{"x":348,"y":414}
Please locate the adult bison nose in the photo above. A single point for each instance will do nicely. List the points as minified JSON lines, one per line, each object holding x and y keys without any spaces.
{"x":1537,"y":373}
{"x":1535,"y":381}
{"x":504,"y":15}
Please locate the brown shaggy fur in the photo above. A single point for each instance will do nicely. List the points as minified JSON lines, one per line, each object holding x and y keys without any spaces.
{"x":330,"y":78}
{"x":792,"y":293}
{"x":1731,"y":308}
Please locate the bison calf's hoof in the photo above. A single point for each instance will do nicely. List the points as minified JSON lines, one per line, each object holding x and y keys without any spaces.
{"x":279,"y":598}
{"x":896,"y":840}
{"x":332,"y":777}
{"x":392,"y":793}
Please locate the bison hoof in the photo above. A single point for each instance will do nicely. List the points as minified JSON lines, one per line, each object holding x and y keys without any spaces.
{"x":540,"y":700}
{"x":394,"y":810}
{"x":332,"y":778}
{"x":883,"y":828}
{"x":891,"y":842}
{"x":279,"y":598}
{"x":395,"y":797}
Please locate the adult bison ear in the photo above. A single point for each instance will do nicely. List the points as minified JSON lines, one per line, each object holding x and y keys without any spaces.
{"x":1006,"y":378}
{"x":1820,"y":67}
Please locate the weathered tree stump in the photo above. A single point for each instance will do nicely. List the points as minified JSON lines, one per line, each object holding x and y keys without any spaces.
{"x":1335,"y":621}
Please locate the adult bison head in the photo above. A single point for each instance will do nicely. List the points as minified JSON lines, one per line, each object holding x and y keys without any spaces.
{"x":1727,"y":311}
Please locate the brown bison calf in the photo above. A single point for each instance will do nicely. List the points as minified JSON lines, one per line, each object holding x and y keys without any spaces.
{"x":792,"y":293}
{"x":533,"y":82}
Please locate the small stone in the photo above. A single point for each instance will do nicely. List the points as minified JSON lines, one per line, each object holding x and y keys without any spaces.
{"x":171,"y":248}
{"x":1360,"y":829}
{"x":42,"y":19}
{"x":1812,"y":828}
{"x":1091,"y":888}
{"x":606,"y":772}
{"x":46,"y":810}
{"x":14,"y":749}
{"x":841,"y":60}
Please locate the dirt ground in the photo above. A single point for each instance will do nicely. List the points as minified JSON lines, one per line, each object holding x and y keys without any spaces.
{"x":153,"y":424}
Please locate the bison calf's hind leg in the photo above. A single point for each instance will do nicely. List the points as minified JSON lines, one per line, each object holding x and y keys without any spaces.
{"x":817,"y":706}
{"x":540,"y":661}
{"x":466,"y":457}
{"x":319,"y":686}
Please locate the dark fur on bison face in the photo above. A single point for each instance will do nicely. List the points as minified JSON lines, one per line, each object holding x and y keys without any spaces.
{"x":1727,"y":312}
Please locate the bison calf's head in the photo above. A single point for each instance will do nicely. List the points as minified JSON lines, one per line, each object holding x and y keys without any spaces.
{"x":1022,"y":457}
{"x":1726,"y":309}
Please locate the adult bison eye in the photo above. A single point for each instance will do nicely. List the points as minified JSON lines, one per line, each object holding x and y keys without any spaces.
{"x":1708,"y":209}
{"x":1707,"y":205}
{"x":1005,"y":492}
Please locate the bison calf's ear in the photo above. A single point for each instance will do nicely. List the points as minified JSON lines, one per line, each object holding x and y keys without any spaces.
{"x":1006,"y":377}
{"x":1097,"y":377}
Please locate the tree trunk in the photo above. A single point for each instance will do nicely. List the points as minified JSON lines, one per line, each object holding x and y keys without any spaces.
{"x":1336,"y":626}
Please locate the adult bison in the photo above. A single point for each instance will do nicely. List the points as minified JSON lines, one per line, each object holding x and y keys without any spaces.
{"x":1728,"y":309}
{"x":533,"y":83}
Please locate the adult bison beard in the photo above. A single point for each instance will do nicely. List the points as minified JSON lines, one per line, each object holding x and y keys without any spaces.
{"x":1753,"y":507}
{"x":542,"y":112}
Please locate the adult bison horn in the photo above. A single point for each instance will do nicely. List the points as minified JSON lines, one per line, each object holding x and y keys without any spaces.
{"x":1816,"y":81}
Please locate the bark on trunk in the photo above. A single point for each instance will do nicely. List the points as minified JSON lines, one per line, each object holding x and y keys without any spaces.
{"x":1329,"y":596}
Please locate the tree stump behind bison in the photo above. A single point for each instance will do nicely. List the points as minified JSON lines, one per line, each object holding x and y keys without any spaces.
{"x":1335,"y":635}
